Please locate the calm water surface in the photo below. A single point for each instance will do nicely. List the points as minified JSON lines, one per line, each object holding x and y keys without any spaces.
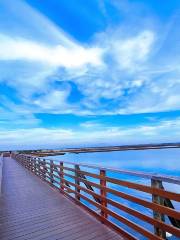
{"x":166,"y":162}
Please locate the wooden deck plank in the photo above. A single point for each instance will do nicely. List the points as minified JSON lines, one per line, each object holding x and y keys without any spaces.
{"x":30,"y":209}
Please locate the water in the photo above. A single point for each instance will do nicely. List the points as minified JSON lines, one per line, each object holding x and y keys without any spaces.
{"x":165,"y":161}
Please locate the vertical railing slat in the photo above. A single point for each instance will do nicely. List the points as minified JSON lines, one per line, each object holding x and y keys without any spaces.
{"x":62,"y":177}
{"x":51,"y":171}
{"x":158,"y":216}
{"x":44,"y":169}
{"x":77,"y":182}
{"x":103,"y":192}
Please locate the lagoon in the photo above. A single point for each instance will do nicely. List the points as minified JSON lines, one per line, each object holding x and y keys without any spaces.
{"x":163,"y":161}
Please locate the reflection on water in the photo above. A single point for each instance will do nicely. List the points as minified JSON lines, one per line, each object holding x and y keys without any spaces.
{"x":166,"y":161}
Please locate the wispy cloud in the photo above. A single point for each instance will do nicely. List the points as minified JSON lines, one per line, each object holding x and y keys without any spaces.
{"x":35,"y":137}
{"x":91,"y":125}
{"x":130,"y":67}
{"x":113,"y":73}
{"x":31,"y":62}
{"x":71,"y":56}
{"x":164,"y":131}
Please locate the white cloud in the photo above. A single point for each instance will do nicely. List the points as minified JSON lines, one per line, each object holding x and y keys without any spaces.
{"x":57,"y":56}
{"x":53,"y":100}
{"x":129,"y":68}
{"x":125,"y":60}
{"x":160,"y":95}
{"x":131,"y":52}
{"x":91,"y":124}
{"x":164,"y":131}
{"x":30,"y":36}
{"x":12,"y":120}
{"x":26,"y":22}
{"x":31,"y":57}
{"x":34,"y":137}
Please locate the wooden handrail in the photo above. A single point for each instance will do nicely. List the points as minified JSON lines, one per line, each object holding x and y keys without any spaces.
{"x":81,"y":184}
{"x":161,"y":177}
{"x":164,"y":178}
{"x":139,"y":187}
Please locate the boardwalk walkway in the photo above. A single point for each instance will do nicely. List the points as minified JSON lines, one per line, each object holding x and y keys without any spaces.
{"x":31,"y":209}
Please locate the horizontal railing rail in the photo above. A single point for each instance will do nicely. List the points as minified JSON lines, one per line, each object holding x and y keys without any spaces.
{"x":131,"y":208}
{"x":160,"y":177}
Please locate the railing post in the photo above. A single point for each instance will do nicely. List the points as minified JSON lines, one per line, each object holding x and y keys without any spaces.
{"x":27,"y":162}
{"x":158,"y":216}
{"x":38,"y":167}
{"x":44,"y":169}
{"x":24,"y":161}
{"x":77,"y":182}
{"x":51,"y":171}
{"x":30,"y":164}
{"x":62,"y":177}
{"x":34,"y":166}
{"x":103,"y":192}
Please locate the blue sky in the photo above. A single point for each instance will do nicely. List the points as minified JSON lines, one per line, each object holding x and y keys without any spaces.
{"x":89,"y":72}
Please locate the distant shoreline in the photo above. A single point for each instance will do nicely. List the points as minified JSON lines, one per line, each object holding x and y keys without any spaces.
{"x":53,"y":152}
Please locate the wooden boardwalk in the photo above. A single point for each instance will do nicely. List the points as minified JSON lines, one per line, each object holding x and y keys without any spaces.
{"x":31,"y":209}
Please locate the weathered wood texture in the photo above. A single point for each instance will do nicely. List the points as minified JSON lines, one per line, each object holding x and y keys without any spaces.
{"x":30,"y":209}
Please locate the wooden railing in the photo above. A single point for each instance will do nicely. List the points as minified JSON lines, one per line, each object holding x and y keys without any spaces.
{"x":136,"y":210}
